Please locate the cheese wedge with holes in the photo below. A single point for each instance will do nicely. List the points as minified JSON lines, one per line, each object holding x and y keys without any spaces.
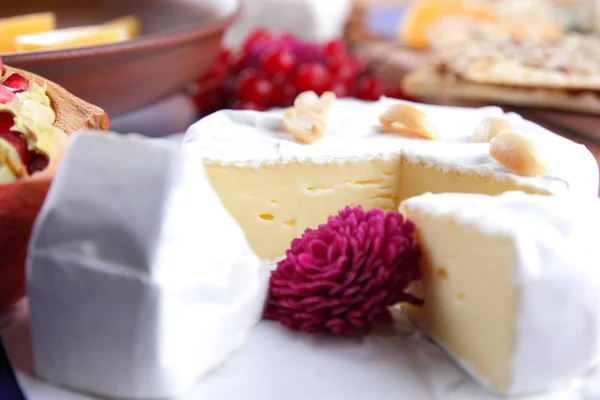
{"x":511,"y":285}
{"x":276,"y":187}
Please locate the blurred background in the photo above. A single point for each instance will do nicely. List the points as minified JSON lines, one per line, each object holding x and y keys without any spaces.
{"x":157,"y":66}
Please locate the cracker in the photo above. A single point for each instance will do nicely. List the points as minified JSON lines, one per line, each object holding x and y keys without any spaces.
{"x":571,"y":62}
{"x":429,"y":83}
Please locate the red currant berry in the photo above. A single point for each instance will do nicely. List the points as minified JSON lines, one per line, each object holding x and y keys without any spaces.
{"x":358,"y":65}
{"x":340,"y":88}
{"x":216,"y":72}
{"x":223,"y":56}
{"x":259,"y":36}
{"x":370,"y":88}
{"x":284,"y":95}
{"x":395,"y":93}
{"x":335,"y":50}
{"x":278,"y":61}
{"x":230,"y":59}
{"x":342,"y":70}
{"x":253,"y":87}
{"x":247,"y":105}
{"x":312,"y":76}
{"x":209,"y":101}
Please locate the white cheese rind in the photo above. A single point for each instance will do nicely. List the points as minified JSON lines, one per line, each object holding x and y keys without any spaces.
{"x":139,"y":281}
{"x":556,"y":273}
{"x":253,"y":138}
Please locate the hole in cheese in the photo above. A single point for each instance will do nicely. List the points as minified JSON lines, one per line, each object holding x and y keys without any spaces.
{"x":266,"y":217}
{"x":441,"y":273}
{"x":290,"y":223}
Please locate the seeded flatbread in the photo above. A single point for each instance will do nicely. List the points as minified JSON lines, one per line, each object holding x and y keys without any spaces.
{"x":431,"y":83}
{"x":571,"y":62}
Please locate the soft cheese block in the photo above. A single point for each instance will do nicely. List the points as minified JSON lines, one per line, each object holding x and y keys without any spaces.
{"x":276,"y":187}
{"x":138,"y":279}
{"x":511,"y":285}
{"x":310,"y":20}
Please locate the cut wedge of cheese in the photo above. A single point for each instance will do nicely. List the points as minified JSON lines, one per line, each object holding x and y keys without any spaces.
{"x":72,"y":37}
{"x":12,"y":27}
{"x":130,"y":22}
{"x":276,"y":187}
{"x":511,"y":285}
{"x":129,"y":267}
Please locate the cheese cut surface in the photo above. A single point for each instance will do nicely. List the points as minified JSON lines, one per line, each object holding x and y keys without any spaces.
{"x":276,"y":187}
{"x":511,"y":285}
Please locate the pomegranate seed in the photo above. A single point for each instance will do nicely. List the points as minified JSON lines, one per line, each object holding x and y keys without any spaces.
{"x":247,"y":105}
{"x":259,"y":36}
{"x":6,"y":122}
{"x":284,"y":95}
{"x":38,"y":162}
{"x":278,"y":61}
{"x":20,"y":144}
{"x":253,"y":87}
{"x":312,"y":76}
{"x":370,"y":88}
{"x":340,"y":88}
{"x":18,"y":83}
{"x":6,"y":95}
{"x":335,"y":50}
{"x":342,"y":70}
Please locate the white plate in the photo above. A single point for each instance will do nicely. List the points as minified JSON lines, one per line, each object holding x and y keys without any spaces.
{"x":279,"y":364}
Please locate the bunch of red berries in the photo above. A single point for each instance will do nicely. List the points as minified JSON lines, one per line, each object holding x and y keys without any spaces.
{"x":270,"y":71}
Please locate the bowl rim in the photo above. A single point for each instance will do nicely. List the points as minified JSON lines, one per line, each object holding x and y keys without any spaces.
{"x":152,"y":41}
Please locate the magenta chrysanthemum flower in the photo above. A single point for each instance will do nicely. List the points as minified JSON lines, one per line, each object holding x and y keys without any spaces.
{"x":342,"y":277}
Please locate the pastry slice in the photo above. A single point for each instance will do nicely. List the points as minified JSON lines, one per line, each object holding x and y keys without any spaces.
{"x":36,"y":117}
{"x":511,"y":285}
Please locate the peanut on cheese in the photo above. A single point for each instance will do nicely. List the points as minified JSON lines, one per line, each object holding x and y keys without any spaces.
{"x":307,"y":120}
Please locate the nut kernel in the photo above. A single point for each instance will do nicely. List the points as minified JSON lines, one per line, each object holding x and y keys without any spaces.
{"x":489,"y":128}
{"x":518,"y":154}
{"x":405,"y":119}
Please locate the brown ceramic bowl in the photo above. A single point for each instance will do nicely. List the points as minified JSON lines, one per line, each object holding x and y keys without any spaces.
{"x":179,"y":40}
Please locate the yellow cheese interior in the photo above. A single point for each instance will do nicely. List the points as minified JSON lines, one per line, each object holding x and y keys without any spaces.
{"x":470,"y":298}
{"x":275,"y":204}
